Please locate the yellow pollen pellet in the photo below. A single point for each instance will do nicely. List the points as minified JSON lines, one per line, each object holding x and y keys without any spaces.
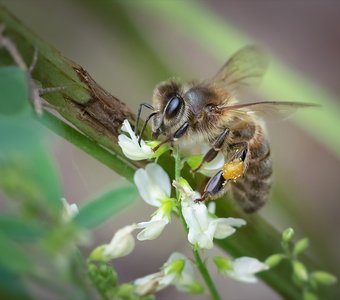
{"x":233,"y":169}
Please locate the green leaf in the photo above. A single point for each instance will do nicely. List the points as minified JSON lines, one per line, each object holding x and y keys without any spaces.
{"x":13,"y":87}
{"x":301,"y":246}
{"x":18,"y":228}
{"x":104,"y":207}
{"x":31,"y":177}
{"x":11,"y":286}
{"x":26,"y":170}
{"x":13,"y":257}
{"x":194,"y":161}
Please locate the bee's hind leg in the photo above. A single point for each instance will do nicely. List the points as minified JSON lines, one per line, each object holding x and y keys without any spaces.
{"x":215,"y":188}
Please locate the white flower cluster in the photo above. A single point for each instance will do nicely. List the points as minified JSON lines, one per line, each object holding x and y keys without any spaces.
{"x":204,"y":226}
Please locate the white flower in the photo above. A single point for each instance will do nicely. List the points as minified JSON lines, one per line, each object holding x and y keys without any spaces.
{"x":154,"y":227}
{"x":203,"y":225}
{"x":181,"y":269}
{"x":153,"y":184}
{"x":69,"y":210}
{"x":241,"y":269}
{"x":178,"y":270}
{"x":130,"y":146}
{"x":121,"y":245}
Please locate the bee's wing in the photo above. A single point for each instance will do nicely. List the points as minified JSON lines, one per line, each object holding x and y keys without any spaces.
{"x":274,"y":109}
{"x":246,"y":67}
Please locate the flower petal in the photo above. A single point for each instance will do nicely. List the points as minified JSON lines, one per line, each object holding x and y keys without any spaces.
{"x":122,"y":243}
{"x":132,"y":150}
{"x":150,"y":191}
{"x":159,"y":176}
{"x":245,"y":267}
{"x":152,"y":229}
{"x":224,"y":227}
{"x":130,"y":146}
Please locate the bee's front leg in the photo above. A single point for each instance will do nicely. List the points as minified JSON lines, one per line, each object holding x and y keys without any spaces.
{"x":178,"y":134}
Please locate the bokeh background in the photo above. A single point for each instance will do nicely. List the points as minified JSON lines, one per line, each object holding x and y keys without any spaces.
{"x":130,"y":46}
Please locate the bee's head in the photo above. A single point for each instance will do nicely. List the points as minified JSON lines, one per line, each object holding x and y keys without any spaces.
{"x":169,"y":103}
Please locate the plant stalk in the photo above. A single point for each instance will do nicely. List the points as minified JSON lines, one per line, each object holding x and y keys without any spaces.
{"x":199,"y":262}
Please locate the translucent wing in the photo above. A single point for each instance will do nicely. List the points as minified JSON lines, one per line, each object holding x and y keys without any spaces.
{"x":277,"y":109}
{"x":246,"y":67}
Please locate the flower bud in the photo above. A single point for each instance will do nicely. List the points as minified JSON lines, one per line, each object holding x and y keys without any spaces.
{"x":287,"y":235}
{"x":301,"y":246}
{"x":324,"y":278}
{"x":307,"y":295}
{"x":300,"y":270}
{"x":274,"y":259}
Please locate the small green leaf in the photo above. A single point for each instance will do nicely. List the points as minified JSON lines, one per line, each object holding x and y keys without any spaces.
{"x":104,"y":207}
{"x":13,"y":257}
{"x":26,"y":170}
{"x":300,"y":270}
{"x":287,"y":235}
{"x":194,"y":161}
{"x":31,"y":177}
{"x":14,"y":91}
{"x":301,"y":246}
{"x":21,"y":229}
{"x":324,"y":278}
{"x":274,"y":259}
{"x":11,"y":286}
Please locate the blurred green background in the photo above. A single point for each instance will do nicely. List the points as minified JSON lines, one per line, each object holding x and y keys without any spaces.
{"x":130,"y":46}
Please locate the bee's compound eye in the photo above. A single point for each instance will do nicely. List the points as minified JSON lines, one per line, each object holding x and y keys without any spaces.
{"x":173,"y":107}
{"x":210,"y":107}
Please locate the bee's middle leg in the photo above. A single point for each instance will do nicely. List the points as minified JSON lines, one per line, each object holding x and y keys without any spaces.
{"x":216,"y":147}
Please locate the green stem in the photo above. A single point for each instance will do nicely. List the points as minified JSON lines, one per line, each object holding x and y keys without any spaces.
{"x":199,"y":262}
{"x":205,"y":274}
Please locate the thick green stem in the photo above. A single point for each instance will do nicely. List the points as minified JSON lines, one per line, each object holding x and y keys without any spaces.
{"x":199,"y":262}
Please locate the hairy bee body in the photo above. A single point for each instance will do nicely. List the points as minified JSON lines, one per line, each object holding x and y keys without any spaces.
{"x":206,"y":125}
{"x":207,"y":111}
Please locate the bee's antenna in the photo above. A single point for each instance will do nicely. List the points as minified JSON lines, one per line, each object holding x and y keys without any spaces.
{"x":147,"y":105}
{"x":146,"y":123}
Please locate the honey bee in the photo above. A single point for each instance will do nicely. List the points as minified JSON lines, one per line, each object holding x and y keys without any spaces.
{"x":207,"y":111}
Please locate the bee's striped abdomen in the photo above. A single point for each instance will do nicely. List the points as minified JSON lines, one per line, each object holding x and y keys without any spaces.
{"x":252,"y":190}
